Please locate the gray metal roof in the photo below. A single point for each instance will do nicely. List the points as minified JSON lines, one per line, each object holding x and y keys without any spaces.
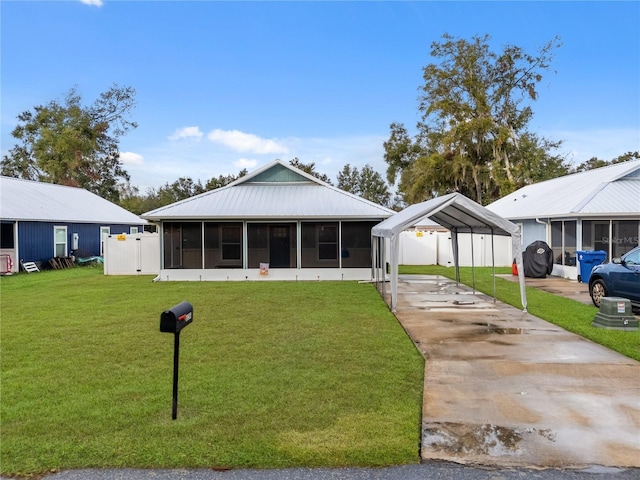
{"x":47,"y":202}
{"x":276,"y":191}
{"x":609,"y":191}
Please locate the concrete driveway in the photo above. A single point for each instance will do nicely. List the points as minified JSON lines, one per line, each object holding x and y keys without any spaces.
{"x":558,"y":286}
{"x":505,"y":388}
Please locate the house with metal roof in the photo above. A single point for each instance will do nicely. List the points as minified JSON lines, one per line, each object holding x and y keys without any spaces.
{"x":597,"y":209}
{"x":41,"y":221}
{"x":276,"y":223}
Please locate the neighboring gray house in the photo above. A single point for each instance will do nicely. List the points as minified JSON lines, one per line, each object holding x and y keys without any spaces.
{"x":44,"y":220}
{"x":594,"y":210}
{"x":277,"y":223}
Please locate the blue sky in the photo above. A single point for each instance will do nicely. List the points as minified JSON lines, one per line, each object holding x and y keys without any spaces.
{"x":223,"y":86}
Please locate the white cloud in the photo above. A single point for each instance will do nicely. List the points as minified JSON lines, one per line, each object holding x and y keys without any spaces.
{"x":93,"y":3}
{"x":168,"y":161}
{"x":245,"y":163}
{"x":246,"y":142}
{"x":187,"y":132}
{"x":130,"y":158}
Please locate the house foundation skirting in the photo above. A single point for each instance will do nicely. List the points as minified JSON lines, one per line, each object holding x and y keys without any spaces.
{"x":255,"y":274}
{"x":565,"y":271}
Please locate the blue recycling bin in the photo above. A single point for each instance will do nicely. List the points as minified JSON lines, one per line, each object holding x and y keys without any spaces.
{"x":588,"y":260}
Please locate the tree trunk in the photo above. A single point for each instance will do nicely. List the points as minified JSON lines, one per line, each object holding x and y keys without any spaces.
{"x":507,"y":168}
{"x":476,"y":181}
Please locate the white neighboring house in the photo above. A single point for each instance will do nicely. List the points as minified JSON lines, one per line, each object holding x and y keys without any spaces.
{"x":594,"y":210}
{"x":276,"y":223}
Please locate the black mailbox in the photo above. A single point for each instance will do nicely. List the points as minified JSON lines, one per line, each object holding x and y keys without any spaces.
{"x":176,"y":318}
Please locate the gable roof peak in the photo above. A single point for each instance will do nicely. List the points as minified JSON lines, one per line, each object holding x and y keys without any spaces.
{"x":261,"y":175}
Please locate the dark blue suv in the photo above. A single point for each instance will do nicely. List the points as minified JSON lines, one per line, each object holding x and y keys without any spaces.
{"x":618,"y":278}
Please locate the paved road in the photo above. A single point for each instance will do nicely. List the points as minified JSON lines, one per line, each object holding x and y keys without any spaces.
{"x":430,"y":471}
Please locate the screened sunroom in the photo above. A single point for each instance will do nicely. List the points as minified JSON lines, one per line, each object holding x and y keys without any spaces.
{"x":277,"y":223}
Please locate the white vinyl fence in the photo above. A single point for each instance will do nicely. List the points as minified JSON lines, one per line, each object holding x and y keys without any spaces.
{"x":139,"y":254}
{"x":135,"y":254}
{"x":435,"y":248}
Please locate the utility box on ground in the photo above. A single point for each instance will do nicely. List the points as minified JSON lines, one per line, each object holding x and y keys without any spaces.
{"x":615,"y":314}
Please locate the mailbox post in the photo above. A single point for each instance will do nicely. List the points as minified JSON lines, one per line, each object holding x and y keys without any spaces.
{"x":173,"y":321}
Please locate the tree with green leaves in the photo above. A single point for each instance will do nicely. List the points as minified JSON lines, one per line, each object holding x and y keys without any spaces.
{"x":184,"y":187}
{"x":131,"y":200}
{"x":366,"y":183}
{"x":472,"y":138}
{"x":309,"y":168}
{"x":181,"y":189}
{"x":72,"y":144}
{"x":596,"y":162}
{"x":223,"y":180}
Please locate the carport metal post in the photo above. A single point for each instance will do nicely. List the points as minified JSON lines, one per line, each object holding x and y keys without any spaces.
{"x":493,"y":266}
{"x":473,"y":264}
{"x":384,"y":271}
{"x":374,"y":249}
{"x":454,"y":243}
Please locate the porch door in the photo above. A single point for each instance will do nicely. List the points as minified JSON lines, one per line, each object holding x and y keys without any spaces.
{"x":601,"y":236}
{"x":280,"y":246}
{"x":104,"y":233}
{"x":172,"y":245}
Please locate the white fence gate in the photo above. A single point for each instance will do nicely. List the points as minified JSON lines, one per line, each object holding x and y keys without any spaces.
{"x":136,"y":254}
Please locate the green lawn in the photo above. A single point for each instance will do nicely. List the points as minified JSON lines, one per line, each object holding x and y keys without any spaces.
{"x":272,"y":374}
{"x":573,"y":316}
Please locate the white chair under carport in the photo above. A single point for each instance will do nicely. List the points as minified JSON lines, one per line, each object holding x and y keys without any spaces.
{"x":458,"y":214}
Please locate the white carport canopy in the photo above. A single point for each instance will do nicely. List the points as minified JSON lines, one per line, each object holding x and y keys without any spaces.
{"x":456,"y":213}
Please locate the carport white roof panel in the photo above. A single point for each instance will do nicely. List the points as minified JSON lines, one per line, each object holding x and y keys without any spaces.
{"x":27,"y":200}
{"x":453,"y":211}
{"x":614,"y":189}
{"x":252,"y":197}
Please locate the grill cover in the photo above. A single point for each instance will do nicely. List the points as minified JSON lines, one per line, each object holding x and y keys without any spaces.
{"x":537,"y":260}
